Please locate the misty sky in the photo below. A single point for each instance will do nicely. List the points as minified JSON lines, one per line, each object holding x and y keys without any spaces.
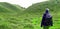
{"x":23,"y":3}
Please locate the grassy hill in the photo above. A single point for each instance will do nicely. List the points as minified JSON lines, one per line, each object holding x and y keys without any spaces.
{"x":10,"y":7}
{"x":36,"y":11}
{"x":15,"y":17}
{"x":40,"y":7}
{"x":9,"y":16}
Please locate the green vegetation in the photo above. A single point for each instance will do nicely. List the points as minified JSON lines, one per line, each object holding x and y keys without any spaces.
{"x":16,"y":17}
{"x":9,"y":16}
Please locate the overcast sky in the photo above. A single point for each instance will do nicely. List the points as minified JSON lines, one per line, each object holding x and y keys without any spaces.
{"x":23,"y":3}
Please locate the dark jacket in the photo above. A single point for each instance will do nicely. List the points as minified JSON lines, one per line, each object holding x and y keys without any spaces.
{"x":46,"y":21}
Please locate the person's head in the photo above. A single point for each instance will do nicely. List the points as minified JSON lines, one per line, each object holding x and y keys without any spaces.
{"x":47,"y":14}
{"x":47,"y":10}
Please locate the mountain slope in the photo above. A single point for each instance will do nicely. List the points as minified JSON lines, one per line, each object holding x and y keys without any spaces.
{"x":10,"y":7}
{"x":40,"y":7}
{"x":36,"y":11}
{"x":9,"y":14}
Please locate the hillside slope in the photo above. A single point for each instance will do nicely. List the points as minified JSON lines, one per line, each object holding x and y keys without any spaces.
{"x":10,"y":7}
{"x":9,"y":16}
{"x":39,"y":8}
{"x":35,"y":12}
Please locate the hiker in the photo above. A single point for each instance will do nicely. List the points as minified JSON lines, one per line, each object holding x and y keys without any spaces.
{"x":46,"y":20}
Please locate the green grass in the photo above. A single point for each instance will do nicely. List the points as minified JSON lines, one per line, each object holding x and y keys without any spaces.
{"x":16,"y":17}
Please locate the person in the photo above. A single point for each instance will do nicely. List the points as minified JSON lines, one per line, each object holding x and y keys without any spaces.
{"x":46,"y":20}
